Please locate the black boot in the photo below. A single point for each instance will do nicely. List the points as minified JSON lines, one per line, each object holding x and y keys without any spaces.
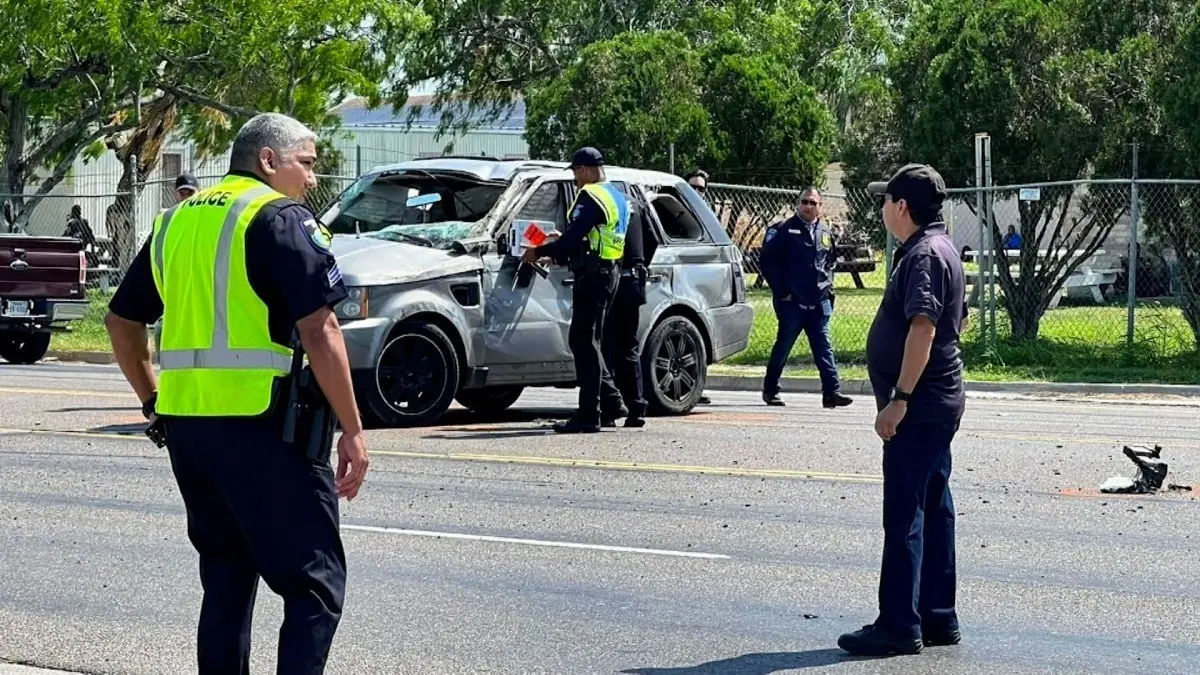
{"x":875,"y":641}
{"x":836,"y":400}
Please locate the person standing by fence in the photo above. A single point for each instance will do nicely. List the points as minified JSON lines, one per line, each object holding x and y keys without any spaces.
{"x":798,"y":260}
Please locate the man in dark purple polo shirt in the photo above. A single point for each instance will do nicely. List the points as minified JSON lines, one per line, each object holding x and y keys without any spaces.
{"x":915,"y":366}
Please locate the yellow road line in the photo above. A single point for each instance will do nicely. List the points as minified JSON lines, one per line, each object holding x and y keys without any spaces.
{"x":580,"y":462}
{"x":569,"y":462}
{"x":70,"y":392}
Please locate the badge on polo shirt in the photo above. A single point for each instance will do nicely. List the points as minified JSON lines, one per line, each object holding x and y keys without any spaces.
{"x":318,"y":234}
{"x":826,"y":241}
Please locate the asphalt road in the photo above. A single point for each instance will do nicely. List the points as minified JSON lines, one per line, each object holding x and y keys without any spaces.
{"x":740,"y":539}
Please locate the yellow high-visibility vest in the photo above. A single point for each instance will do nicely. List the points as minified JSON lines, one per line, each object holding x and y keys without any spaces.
{"x":608,"y":241}
{"x":217,"y":358}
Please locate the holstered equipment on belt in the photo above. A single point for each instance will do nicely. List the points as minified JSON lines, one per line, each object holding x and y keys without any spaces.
{"x":309,"y":421}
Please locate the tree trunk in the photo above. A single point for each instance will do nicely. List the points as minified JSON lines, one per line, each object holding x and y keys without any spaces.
{"x":145,"y":142}
{"x":12,"y":179}
{"x":1025,"y":313}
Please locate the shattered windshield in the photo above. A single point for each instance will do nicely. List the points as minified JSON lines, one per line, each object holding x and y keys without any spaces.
{"x":417,"y":207}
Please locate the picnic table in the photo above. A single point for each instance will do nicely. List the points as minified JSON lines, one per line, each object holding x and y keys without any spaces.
{"x":853,"y":259}
{"x":1089,"y":280}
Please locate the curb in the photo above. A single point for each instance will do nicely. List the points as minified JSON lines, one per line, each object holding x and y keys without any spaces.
{"x":812,"y":385}
{"x":102,"y":358}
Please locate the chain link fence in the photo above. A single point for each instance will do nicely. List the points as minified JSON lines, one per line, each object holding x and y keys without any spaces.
{"x":1049,"y":279}
{"x":859,"y":279}
{"x":113,"y":226}
{"x":1047,"y":267}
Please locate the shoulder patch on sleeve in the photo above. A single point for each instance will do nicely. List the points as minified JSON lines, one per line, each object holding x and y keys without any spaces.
{"x":318,"y":234}
{"x":334,"y":275}
{"x":771,"y":232}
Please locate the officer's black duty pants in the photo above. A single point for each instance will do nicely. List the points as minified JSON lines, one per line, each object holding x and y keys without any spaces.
{"x":258,"y":507}
{"x":592,"y":295}
{"x":621,"y":353}
{"x":917,"y":580}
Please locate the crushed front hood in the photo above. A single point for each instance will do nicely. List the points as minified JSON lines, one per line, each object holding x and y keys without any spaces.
{"x":366,"y":261}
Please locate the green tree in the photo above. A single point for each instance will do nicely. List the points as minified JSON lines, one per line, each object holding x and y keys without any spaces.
{"x":1013,"y":69}
{"x":764,"y":116}
{"x":632,"y":97}
{"x":1169,"y":135}
{"x":124,"y":75}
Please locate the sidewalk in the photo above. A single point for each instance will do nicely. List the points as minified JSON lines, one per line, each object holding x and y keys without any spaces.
{"x":13,"y":669}
{"x":812,"y":385}
{"x":752,"y":381}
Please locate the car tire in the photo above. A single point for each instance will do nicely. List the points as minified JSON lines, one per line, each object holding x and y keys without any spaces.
{"x":489,"y":400}
{"x":415,"y":377}
{"x":24,"y":348}
{"x":674,"y":366}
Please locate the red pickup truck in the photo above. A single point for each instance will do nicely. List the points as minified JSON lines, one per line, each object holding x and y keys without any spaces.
{"x":42,"y":289}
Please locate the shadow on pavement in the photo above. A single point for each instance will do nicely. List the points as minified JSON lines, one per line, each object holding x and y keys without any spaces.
{"x":756,"y":664}
{"x":113,"y":408}
{"x":122,"y":429}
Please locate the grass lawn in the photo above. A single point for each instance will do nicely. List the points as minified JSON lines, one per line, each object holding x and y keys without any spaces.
{"x":87,"y":334}
{"x":1083,"y":343}
{"x":1076,"y":343}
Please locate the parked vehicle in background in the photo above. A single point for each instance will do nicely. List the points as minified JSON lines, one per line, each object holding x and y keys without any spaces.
{"x":42,"y":289}
{"x":441,"y":307}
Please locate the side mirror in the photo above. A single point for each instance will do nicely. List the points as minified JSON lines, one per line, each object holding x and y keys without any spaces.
{"x":423,"y":200}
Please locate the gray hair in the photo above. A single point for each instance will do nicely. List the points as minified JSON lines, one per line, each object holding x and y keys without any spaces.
{"x":281,"y":133}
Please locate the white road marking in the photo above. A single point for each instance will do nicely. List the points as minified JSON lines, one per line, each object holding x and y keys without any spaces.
{"x":535,"y":542}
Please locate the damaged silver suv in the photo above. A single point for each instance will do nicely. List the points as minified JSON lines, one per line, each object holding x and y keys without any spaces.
{"x":441,"y":308}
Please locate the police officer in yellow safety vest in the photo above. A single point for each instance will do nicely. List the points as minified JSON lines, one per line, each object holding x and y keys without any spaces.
{"x":232,"y":271}
{"x":593,"y":243}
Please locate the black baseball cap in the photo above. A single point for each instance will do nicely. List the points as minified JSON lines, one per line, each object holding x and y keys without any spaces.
{"x":919,"y":185}
{"x":588,"y":156}
{"x":187,"y":180}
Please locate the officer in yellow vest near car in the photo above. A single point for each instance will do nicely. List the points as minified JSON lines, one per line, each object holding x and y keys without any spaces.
{"x":234,"y":271}
{"x":593,"y":244}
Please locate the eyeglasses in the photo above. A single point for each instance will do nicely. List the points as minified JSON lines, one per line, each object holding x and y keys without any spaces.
{"x":809,"y":202}
{"x":700,"y":188}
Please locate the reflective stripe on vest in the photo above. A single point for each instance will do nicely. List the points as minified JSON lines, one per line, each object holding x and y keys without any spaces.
{"x":222,"y":373}
{"x":609,"y":241}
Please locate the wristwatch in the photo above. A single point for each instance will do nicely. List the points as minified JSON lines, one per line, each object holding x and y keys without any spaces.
{"x":148,"y":406}
{"x":898,"y":395}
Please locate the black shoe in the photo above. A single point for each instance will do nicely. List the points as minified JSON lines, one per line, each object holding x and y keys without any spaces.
{"x":836,"y":400}
{"x":773,"y":399}
{"x":703,"y":400}
{"x":632,"y":422}
{"x":575,"y":426}
{"x":873,"y":641}
{"x":608,"y":418}
{"x":941,"y":638}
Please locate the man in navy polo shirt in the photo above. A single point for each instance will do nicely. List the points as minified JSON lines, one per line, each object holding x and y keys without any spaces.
{"x":915,"y":366}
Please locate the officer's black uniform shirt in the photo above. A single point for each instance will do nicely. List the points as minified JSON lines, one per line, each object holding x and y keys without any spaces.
{"x":927,"y":278}
{"x":798,"y":259}
{"x":287,"y":265}
{"x":635,"y":252}
{"x":586,"y":215}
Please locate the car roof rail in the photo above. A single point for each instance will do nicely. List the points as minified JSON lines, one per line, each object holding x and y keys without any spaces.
{"x":482,"y":158}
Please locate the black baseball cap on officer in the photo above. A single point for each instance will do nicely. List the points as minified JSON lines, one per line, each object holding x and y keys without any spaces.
{"x":919,"y":185}
{"x":588,"y":156}
{"x":187,"y":180}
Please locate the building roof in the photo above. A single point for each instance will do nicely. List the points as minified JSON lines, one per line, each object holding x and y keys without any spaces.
{"x":355,"y":114}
